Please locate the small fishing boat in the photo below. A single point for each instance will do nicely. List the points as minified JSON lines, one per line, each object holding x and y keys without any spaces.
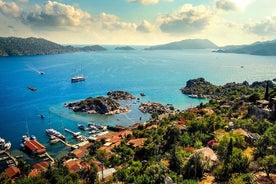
{"x":31,"y":88}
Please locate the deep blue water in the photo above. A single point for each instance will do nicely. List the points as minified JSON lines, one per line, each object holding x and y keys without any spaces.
{"x":158,"y":74}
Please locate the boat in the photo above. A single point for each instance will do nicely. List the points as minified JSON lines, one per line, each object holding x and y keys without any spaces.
{"x":31,"y":88}
{"x":82,"y":127}
{"x":41,"y":73}
{"x":142,"y":94}
{"x":78,"y":78}
{"x":196,"y":96}
{"x":4,"y":145}
{"x":51,"y":132}
{"x":95,"y":126}
{"x":54,"y":141}
{"x":42,"y":116}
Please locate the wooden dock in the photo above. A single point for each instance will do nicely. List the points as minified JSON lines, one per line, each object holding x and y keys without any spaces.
{"x":66,"y":144}
{"x":11,"y":157}
{"x":51,"y":158}
{"x":72,"y":132}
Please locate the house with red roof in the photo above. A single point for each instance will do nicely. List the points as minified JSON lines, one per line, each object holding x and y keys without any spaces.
{"x":12,"y":171}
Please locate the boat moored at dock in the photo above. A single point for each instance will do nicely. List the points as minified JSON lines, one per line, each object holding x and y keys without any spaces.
{"x":4,"y":145}
{"x":53,"y":132}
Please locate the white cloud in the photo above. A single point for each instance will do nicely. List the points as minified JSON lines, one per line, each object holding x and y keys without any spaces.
{"x":10,"y":9}
{"x":227,"y":5}
{"x":230,"y":5}
{"x":148,"y":2}
{"x":55,"y":14}
{"x":265,"y":27}
{"x":187,"y":20}
{"x":145,"y":27}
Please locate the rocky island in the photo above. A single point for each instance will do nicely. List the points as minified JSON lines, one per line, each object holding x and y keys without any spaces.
{"x":155,"y":107}
{"x":102,"y":105}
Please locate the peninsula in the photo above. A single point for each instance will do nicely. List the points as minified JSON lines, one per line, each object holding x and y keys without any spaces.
{"x":267,"y":48}
{"x":13,"y":46}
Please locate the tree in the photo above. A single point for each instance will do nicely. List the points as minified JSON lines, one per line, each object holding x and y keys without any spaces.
{"x":269,"y":163}
{"x":266,"y":144}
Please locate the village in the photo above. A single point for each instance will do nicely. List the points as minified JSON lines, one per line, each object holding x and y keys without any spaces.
{"x":202,"y":143}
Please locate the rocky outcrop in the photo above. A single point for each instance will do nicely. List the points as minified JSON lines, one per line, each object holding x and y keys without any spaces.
{"x":152,"y":107}
{"x":199,"y":87}
{"x":98,"y":105}
{"x":120,"y":95}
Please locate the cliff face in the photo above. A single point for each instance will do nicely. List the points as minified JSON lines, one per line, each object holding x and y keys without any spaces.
{"x":12,"y":46}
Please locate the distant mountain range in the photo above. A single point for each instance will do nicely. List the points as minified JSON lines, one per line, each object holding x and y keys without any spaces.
{"x":186,"y":44}
{"x":267,"y":48}
{"x":13,"y":46}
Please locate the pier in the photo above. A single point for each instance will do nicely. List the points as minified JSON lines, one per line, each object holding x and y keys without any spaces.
{"x":11,"y":157}
{"x":66,"y":144}
{"x":75,"y":134}
{"x":51,"y":158}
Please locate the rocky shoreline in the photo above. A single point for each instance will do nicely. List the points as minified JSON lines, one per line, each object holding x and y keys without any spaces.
{"x":102,"y":105}
{"x":155,"y":107}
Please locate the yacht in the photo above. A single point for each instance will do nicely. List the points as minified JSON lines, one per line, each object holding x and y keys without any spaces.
{"x":52,"y":131}
{"x":78,"y":78}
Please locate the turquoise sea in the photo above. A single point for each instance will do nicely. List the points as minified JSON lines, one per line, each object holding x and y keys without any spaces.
{"x":158,"y":74}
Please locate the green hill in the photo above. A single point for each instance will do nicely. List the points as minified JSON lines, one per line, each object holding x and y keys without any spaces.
{"x":13,"y":46}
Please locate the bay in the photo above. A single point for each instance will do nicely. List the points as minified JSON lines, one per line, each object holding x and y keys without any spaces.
{"x":158,"y":74}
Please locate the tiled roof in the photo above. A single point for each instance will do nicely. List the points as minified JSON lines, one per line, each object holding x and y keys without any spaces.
{"x":41,"y":165}
{"x":79,"y":153}
{"x":12,"y":171}
{"x":73,"y":165}
{"x":35,"y":146}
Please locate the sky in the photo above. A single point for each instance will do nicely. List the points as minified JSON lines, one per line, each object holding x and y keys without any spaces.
{"x":139,"y":22}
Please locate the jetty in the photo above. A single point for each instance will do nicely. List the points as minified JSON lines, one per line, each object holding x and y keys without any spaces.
{"x":66,"y":143}
{"x":75,"y":134}
{"x":51,"y":158}
{"x":11,"y":157}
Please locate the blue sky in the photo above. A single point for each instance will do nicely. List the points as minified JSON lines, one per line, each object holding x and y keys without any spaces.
{"x":139,"y":22}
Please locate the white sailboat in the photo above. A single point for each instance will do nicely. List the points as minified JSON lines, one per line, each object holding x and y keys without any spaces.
{"x":79,"y":77}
